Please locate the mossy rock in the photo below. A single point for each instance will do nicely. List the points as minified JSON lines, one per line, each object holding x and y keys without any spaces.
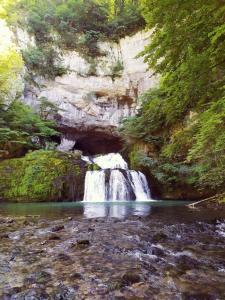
{"x":42,"y":176}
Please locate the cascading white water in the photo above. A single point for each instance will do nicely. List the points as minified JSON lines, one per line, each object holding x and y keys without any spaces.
{"x":119,"y":184}
{"x":110,"y":161}
{"x":118,"y":188}
{"x":140,"y":185}
{"x":95,"y":188}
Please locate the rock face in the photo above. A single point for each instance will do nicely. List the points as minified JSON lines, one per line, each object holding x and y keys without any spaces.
{"x":43,"y":176}
{"x":96,"y":94}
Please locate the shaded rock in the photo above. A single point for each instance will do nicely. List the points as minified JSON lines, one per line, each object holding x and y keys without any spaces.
{"x":76,"y":276}
{"x":186,"y":262}
{"x":31,"y":294}
{"x":26,"y":223}
{"x":82,"y":243}
{"x":57,"y":228}
{"x":102,"y":289}
{"x":159,"y":237}
{"x":10,"y":220}
{"x":131,"y":277}
{"x":4,"y":236}
{"x":157,"y":251}
{"x":63,"y":256}
{"x":91,"y":229}
{"x":197,"y":296}
{"x":64,"y":293}
{"x":54,"y":237}
{"x":42,"y":277}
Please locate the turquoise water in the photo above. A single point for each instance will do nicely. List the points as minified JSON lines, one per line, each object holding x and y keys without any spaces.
{"x":117,"y":209}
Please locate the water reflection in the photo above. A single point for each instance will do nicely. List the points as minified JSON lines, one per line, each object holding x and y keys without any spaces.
{"x":116,"y":209}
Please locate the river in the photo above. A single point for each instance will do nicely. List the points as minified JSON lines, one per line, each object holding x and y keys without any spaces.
{"x":127,"y":250}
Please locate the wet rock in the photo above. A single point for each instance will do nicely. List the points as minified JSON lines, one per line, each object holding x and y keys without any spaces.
{"x":10,"y":294}
{"x":149,"y":267}
{"x":115,"y":284}
{"x":91,"y":229}
{"x":131,"y":277}
{"x":76,"y":276}
{"x":102,"y":289}
{"x":41,"y":277}
{"x":4,"y":236}
{"x":157,"y":251}
{"x":186,"y":262}
{"x":4,"y":268}
{"x":15,"y":252}
{"x":64,"y":293}
{"x":64,"y":258}
{"x":57,"y":228}
{"x":81,"y":244}
{"x":26,"y":223}
{"x":31,"y":294}
{"x":160,"y":236}
{"x":197,"y":296}
{"x":54,"y":237}
{"x":10,"y":220}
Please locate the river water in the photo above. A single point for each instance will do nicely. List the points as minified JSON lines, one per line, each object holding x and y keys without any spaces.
{"x":128,"y":250}
{"x":117,"y":209}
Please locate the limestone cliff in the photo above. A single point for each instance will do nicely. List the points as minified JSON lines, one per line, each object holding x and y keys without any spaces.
{"x":96,"y":94}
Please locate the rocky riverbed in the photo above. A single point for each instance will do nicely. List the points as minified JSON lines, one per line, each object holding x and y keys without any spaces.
{"x":107,"y":258}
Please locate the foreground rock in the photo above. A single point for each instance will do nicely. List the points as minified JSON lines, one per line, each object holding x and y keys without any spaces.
{"x":118,"y":259}
{"x":43,"y":176}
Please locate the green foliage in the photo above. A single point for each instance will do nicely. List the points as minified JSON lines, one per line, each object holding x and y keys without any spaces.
{"x":183,"y":119}
{"x":116,"y":69}
{"x":171,"y":176}
{"x":92,"y":67}
{"x":21,"y":129}
{"x":39,"y":176}
{"x":209,"y":146}
{"x":43,"y":61}
{"x":11,"y":66}
{"x":72,"y":25}
{"x":125,"y":18}
{"x":47,"y":108}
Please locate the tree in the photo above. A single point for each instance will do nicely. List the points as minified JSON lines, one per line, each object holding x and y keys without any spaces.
{"x":183,"y":119}
{"x":20,"y":128}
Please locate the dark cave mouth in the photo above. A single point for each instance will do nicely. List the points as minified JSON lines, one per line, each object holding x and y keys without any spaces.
{"x":94,"y":142}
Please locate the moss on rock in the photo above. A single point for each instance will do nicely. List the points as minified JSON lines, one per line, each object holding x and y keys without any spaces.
{"x":42,"y":176}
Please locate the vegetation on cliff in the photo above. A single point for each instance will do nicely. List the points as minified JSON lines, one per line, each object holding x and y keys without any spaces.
{"x":20,"y":128}
{"x":182,"y":123}
{"x":71,"y":25}
{"x":42,"y":176}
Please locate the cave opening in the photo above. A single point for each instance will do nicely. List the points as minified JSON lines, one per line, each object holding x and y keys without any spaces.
{"x":94,"y":142}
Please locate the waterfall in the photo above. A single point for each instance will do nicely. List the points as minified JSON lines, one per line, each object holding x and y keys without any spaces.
{"x":119,"y":187}
{"x":140,"y":185}
{"x":114,"y":182}
{"x":111,"y":161}
{"x":95,"y":188}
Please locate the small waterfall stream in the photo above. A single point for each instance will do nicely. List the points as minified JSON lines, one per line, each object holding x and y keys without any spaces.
{"x":114,"y":182}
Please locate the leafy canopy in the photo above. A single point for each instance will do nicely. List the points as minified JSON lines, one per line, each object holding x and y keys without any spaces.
{"x":20,"y":127}
{"x":72,"y":25}
{"x":183,"y":121}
